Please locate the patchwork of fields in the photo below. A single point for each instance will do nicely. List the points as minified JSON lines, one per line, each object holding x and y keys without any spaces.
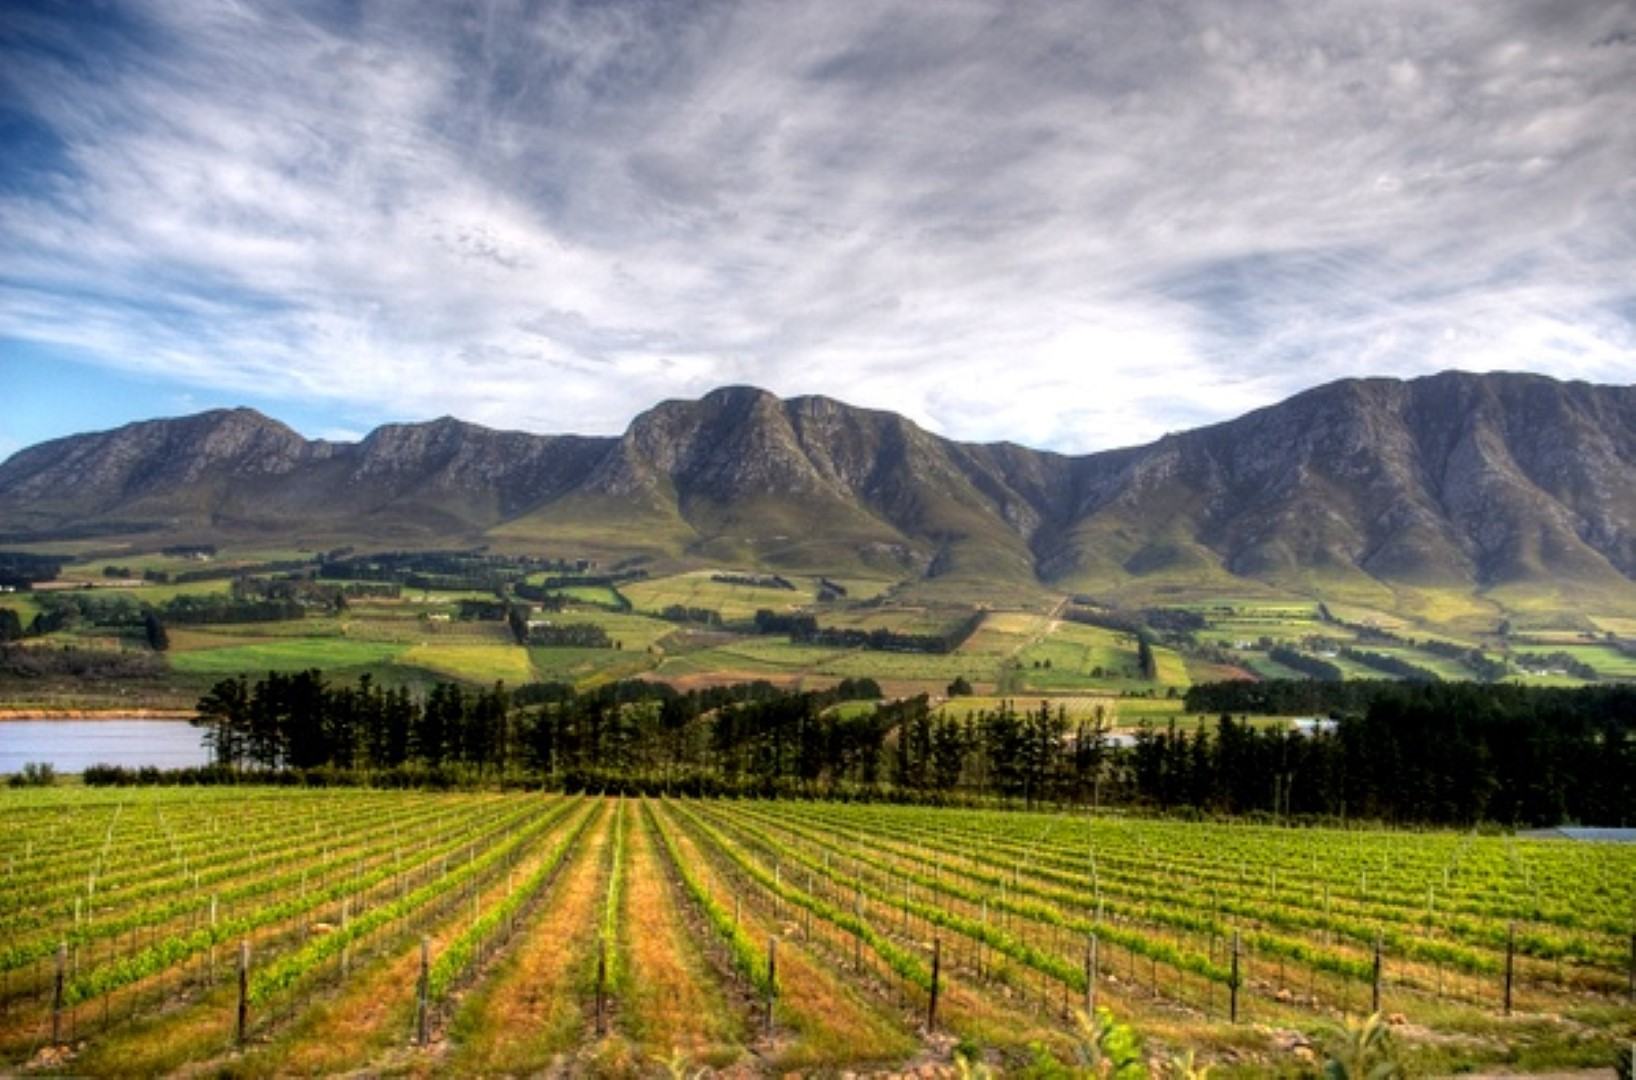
{"x":696,"y":627}
{"x":465,"y":933}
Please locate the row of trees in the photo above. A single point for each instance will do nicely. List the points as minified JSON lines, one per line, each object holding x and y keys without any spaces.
{"x":622,"y":730}
{"x":1452,"y":753}
{"x":1445,"y":752}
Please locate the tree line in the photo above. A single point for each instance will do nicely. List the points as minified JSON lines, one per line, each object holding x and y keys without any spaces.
{"x":1433,"y":753}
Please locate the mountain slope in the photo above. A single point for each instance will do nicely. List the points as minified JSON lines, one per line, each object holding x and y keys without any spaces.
{"x":1452,"y":481}
{"x":1513,"y":486}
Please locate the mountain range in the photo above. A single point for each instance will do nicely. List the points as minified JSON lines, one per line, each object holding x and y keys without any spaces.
{"x":1442,"y":494}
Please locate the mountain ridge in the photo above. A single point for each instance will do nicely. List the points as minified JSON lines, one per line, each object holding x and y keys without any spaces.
{"x":1359,"y":487}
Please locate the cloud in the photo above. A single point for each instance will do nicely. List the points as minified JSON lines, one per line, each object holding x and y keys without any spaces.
{"x":1069,"y":224}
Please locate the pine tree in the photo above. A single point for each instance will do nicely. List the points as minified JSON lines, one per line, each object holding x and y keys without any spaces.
{"x":154,"y":630}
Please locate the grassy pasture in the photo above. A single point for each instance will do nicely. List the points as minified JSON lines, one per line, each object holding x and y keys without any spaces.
{"x":1004,"y":634}
{"x":781,"y":652}
{"x":415,"y":630}
{"x":858,"y":588}
{"x":587,"y":667}
{"x":314,"y":626}
{"x":1076,"y":652}
{"x":1266,"y":667}
{"x":231,"y":656}
{"x":1609,"y":662}
{"x":751,"y":657}
{"x":1619,"y":625}
{"x":509,"y":664}
{"x":137,"y":562}
{"x":1443,"y":666}
{"x":24,"y":604}
{"x":636,"y":632}
{"x":734,"y":602}
{"x":897,"y":619}
{"x":908,"y":667}
{"x":590,"y":594}
{"x":159,"y":594}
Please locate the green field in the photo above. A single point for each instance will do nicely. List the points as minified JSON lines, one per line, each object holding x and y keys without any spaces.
{"x":1074,"y":656}
{"x":635,"y":632}
{"x":587,"y":667}
{"x":24,"y":604}
{"x":1442,"y":666}
{"x":1020,"y":647}
{"x":1005,"y":634}
{"x":156,"y":593}
{"x":298,"y":654}
{"x":899,"y":620}
{"x":481,"y":933}
{"x":1609,"y":662}
{"x":732,"y":601}
{"x":591,"y":594}
{"x":507,"y":663}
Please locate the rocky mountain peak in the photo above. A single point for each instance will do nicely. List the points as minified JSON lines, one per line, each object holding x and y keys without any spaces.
{"x":1465,"y":480}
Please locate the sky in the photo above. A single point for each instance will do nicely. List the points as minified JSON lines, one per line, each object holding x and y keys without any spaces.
{"x":1074,"y":224}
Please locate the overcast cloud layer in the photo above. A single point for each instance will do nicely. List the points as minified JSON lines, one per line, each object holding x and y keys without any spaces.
{"x":1068,"y":224}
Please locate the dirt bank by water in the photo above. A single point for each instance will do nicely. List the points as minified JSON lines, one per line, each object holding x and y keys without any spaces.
{"x":94,"y":714}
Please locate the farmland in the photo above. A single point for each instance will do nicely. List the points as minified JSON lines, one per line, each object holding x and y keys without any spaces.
{"x":412,"y":619}
{"x":775,"y":936}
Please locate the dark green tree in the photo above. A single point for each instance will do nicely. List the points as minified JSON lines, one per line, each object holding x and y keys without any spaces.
{"x":154,"y":631}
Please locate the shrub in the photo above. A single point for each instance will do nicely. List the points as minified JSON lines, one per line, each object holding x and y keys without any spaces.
{"x":34,"y":774}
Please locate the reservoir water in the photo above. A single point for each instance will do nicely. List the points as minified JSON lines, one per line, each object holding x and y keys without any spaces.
{"x":70,"y":745}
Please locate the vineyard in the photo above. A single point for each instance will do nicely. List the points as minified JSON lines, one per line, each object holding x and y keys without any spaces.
{"x":321,"y":931}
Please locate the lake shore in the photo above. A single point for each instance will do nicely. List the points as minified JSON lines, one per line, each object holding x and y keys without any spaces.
{"x":94,"y":714}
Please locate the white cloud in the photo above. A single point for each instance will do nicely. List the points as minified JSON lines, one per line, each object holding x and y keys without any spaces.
{"x":1075,"y":225}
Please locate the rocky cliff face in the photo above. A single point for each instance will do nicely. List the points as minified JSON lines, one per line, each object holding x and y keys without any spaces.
{"x":1453,"y":479}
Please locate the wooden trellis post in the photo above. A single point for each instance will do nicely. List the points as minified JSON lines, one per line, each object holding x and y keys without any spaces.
{"x":772,"y":977}
{"x":1374,"y":993}
{"x":1090,"y":975}
{"x":601,"y":985}
{"x":937,"y":966}
{"x":422,"y":1017}
{"x":244,"y":990}
{"x":1510,"y":962}
{"x":857,"y":934}
{"x":57,"y":996}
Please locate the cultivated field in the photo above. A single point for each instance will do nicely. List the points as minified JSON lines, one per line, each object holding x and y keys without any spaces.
{"x":442,"y":616}
{"x":519,"y":933}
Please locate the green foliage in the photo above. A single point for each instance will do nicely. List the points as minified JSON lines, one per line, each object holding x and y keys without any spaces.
{"x":746,"y":952}
{"x":458,"y":955}
{"x":291,"y":968}
{"x":1183,"y":1067}
{"x":611,"y":907}
{"x":154,"y":631}
{"x":1362,"y":1050}
{"x":905,"y":963}
{"x":34,"y":774}
{"x":1108,"y":1048}
{"x":267,"y":981}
